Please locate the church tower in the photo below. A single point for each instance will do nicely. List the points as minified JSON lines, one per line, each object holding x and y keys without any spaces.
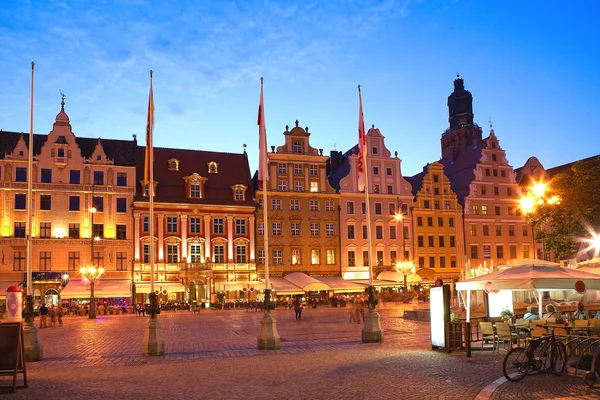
{"x":462,"y":131}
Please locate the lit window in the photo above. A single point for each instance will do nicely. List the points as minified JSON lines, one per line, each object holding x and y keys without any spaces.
{"x":330,"y":256}
{"x":194,"y":190}
{"x":296,"y":256}
{"x":315,"y":257}
{"x":314,"y":187}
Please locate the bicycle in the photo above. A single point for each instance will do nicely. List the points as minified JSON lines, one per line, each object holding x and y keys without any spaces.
{"x":544,"y":354}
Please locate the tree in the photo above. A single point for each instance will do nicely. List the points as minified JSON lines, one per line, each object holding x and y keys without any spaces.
{"x":567,"y":223}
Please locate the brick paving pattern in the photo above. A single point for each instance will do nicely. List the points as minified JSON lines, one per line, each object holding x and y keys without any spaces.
{"x":214,"y":356}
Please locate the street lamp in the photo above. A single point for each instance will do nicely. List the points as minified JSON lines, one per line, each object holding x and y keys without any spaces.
{"x":92,"y":274}
{"x":405,"y":267}
{"x":401,"y":217}
{"x":529,"y":204}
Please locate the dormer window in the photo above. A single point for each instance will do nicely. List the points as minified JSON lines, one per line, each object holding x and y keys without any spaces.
{"x":213,"y":168}
{"x":173,"y":164}
{"x":194,"y":186}
{"x":99,"y":158}
{"x":297,"y":147}
{"x":239,"y":192}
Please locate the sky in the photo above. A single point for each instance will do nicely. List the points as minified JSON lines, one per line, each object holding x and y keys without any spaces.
{"x":532,"y":67}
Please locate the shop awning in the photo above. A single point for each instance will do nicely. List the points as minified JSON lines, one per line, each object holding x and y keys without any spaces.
{"x":282,"y":287}
{"x":104,"y":288}
{"x":305,"y":282}
{"x":241,"y":285}
{"x":170,"y":287}
{"x":341,"y":285}
{"x":5,"y":285}
{"x":378,"y":283}
{"x":395,"y":276}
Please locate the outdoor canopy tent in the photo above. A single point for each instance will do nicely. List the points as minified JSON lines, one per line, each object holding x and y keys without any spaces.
{"x":533,"y":275}
{"x":282,"y":286}
{"x":340,"y":285}
{"x":104,"y":288}
{"x":305,"y":282}
{"x":395,"y":276}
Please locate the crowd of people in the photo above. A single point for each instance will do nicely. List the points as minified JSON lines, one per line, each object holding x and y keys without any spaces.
{"x":55,"y":313}
{"x":551,"y":312}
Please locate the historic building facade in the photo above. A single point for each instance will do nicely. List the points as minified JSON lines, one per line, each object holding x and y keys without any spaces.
{"x":438,"y":225}
{"x":302,"y":210}
{"x":204,"y":227}
{"x":390,"y":203}
{"x":82,"y":195}
{"x":486,"y":185}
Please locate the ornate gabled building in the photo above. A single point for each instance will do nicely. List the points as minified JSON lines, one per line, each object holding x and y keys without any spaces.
{"x":204,"y":226}
{"x":302,"y":210}
{"x":438,"y":225}
{"x":71,"y":175}
{"x":486,"y":186}
{"x":391,"y":202}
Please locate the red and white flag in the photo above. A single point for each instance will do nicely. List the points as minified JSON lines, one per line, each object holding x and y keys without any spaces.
{"x":263,"y":169}
{"x":362,"y":145}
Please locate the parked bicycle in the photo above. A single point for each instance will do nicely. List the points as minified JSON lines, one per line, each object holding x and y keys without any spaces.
{"x":543,"y":354}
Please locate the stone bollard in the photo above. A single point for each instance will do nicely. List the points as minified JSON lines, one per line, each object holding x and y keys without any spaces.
{"x":14,"y":303}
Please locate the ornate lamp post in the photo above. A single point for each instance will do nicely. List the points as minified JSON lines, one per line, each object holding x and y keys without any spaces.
{"x":529,"y":204}
{"x":92,"y":274}
{"x":405,"y":267}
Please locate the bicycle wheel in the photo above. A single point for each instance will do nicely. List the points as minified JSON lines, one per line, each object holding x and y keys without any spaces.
{"x":516,"y":364}
{"x":559,"y":358}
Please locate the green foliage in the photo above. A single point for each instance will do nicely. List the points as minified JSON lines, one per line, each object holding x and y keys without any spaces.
{"x":579,"y":210}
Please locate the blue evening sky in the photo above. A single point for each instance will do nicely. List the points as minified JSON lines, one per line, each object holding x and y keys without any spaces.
{"x":532,"y":67}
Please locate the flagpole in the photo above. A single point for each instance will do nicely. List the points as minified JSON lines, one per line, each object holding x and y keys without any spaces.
{"x":153,"y":343}
{"x":33,"y":348}
{"x":372,"y":332}
{"x":269,"y":337}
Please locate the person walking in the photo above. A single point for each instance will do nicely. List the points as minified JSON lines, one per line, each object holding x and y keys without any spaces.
{"x":352,"y":313}
{"x":52,"y":314}
{"x":43,"y":316}
{"x":298,"y":309}
{"x":60,"y":312}
{"x":359,"y":309}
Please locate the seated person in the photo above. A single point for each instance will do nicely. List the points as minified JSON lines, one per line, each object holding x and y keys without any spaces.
{"x":551,"y":312}
{"x":581,"y":313}
{"x":531,"y":314}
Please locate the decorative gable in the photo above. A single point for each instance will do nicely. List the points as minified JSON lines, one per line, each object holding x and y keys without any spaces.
{"x":194,"y":186}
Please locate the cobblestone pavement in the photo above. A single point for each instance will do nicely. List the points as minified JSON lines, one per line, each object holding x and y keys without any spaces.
{"x":214,"y":356}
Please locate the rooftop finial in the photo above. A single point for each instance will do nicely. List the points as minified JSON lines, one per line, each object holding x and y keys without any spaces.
{"x":244,"y":148}
{"x":261,"y":80}
{"x":297,"y":122}
{"x":490,"y":122}
{"x":151,"y":72}
{"x":62,"y":99}
{"x":457,"y":76}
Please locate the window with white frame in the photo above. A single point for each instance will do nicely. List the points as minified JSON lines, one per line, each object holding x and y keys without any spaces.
{"x":195,"y":224}
{"x":218,"y":253}
{"x":146,"y":253}
{"x":328,"y":205}
{"x":297,"y":169}
{"x":314,"y":186}
{"x":239,"y":194}
{"x":146,"y":224}
{"x":240,"y":254}
{"x":218,"y":226}
{"x":296,"y":256}
{"x":329,"y":229}
{"x":314,"y":205}
{"x":298,"y":186}
{"x":282,"y":168}
{"x":295,"y":228}
{"x":261,"y":257}
{"x":172,"y":224}
{"x":351,"y":258}
{"x":297,"y":147}
{"x":275,"y":204}
{"x":195,"y":252}
{"x":315,"y":257}
{"x":314,"y":229}
{"x":330,"y":256}
{"x":276,"y":228}
{"x":294,"y":205}
{"x":282,"y":185}
{"x":277,"y":257}
{"x":194,"y":190}
{"x":260,"y":229}
{"x":314,"y":170}
{"x":172,"y":253}
{"x":240,"y":226}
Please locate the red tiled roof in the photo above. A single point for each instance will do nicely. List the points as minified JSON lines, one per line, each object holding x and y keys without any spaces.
{"x":233,"y":169}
